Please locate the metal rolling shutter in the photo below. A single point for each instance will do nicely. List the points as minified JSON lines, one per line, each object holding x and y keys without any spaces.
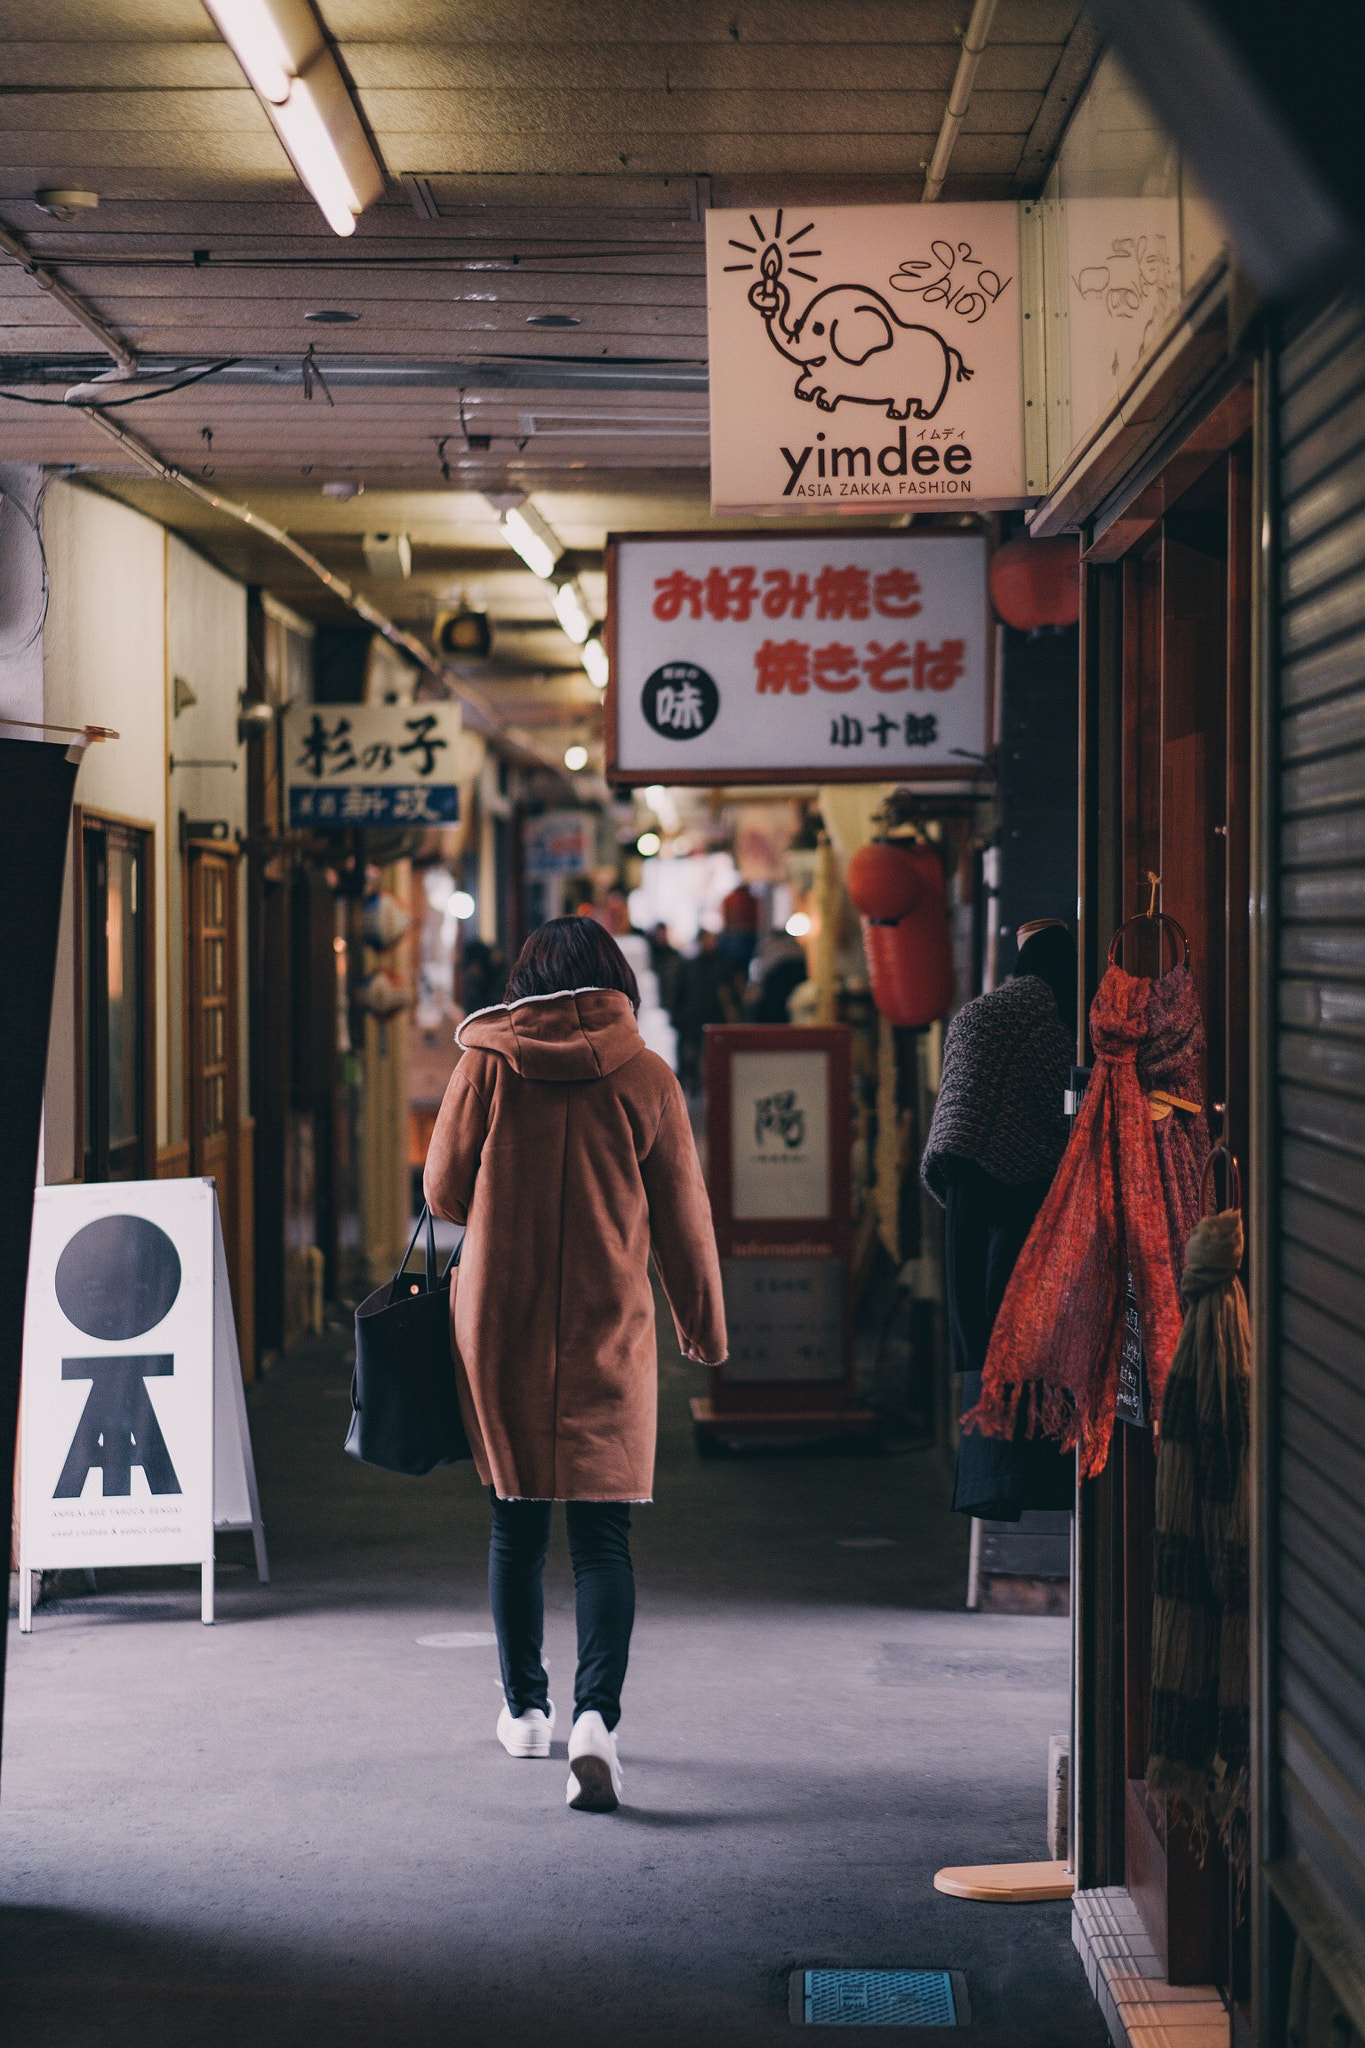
{"x":1319,"y":1417}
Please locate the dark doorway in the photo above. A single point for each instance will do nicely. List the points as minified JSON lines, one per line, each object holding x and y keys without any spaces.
{"x":117,"y":1055}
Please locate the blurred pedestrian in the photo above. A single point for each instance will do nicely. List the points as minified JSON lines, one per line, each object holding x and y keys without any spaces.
{"x":708,"y":993}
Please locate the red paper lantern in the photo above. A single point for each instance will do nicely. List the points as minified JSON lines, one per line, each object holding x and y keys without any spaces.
{"x":884,"y":880}
{"x":1037,"y":583}
{"x":910,"y":955}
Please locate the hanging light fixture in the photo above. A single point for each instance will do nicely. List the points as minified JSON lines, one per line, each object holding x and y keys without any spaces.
{"x":281,"y":47}
{"x":595,"y":659}
{"x":571,"y":609}
{"x":537,"y":544}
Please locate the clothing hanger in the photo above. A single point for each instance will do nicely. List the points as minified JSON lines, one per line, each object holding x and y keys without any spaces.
{"x":1151,"y":915}
{"x":1208,"y":1179}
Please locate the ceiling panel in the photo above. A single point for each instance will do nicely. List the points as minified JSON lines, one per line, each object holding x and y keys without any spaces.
{"x":543,"y":158}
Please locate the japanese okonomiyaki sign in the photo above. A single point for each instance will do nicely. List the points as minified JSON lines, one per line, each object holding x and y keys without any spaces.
{"x":134,"y":1445}
{"x":841,"y":656}
{"x":865,"y":355}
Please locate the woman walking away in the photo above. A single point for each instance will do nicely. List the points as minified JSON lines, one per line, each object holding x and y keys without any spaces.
{"x":564,"y":1145}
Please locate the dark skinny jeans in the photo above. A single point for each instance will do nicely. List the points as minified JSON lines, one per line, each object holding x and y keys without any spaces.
{"x":599,"y":1545}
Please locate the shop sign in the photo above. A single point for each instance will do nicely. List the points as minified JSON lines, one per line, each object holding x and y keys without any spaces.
{"x":761,"y":657}
{"x":373,"y":764}
{"x":866,"y":355}
{"x":560,"y":843}
{"x":778,"y":1135}
{"x":134,"y":1444}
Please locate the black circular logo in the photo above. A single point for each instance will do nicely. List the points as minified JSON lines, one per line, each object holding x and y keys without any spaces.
{"x":117,"y":1278}
{"x":680,"y":700}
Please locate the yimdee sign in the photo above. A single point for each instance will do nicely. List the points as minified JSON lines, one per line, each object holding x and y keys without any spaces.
{"x":865,"y":355}
{"x":760,"y":657}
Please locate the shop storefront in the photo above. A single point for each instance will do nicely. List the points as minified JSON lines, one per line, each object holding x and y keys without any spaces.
{"x":1216,"y":495}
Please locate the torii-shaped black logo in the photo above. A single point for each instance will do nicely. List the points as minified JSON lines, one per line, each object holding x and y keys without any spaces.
{"x":115,"y":1280}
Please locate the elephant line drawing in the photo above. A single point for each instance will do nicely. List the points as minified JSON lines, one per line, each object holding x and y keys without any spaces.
{"x":850,"y":344}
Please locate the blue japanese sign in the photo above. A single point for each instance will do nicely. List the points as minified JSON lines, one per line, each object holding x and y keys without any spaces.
{"x":373,"y":765}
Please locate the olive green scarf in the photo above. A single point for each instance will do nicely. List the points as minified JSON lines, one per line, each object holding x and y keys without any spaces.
{"x":1200,"y":1674}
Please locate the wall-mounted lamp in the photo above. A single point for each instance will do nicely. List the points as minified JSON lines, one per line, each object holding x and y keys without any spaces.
{"x":254,"y":721}
{"x":281,"y":47}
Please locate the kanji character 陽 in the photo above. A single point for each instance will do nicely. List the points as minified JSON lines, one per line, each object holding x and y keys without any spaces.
{"x":895,"y":594}
{"x":846,"y":732}
{"x":884,"y":727}
{"x":835,"y":667}
{"x":842,"y":593}
{"x":783,"y":665}
{"x":921,"y":732}
{"x":422,"y":742}
{"x":679,"y":706}
{"x":674,"y":591}
{"x":888,"y":668}
{"x":730,"y":593}
{"x":938,"y":668}
{"x":322,"y":752}
{"x":785,"y":593}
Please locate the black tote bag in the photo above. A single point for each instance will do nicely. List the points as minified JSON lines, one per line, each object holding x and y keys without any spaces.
{"x":406,"y":1413}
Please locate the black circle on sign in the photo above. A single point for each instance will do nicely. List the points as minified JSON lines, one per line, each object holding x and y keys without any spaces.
{"x":117,"y":1278}
{"x":680,"y":701}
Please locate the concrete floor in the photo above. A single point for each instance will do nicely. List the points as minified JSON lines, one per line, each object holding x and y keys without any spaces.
{"x":297,"y":1828}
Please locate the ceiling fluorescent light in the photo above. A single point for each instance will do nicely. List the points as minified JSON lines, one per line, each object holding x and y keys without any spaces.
{"x":534,"y":541}
{"x":571,"y":610}
{"x":281,"y":48}
{"x":595,"y":660}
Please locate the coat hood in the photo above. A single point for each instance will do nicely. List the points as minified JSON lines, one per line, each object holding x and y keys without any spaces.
{"x":578,"y":1036}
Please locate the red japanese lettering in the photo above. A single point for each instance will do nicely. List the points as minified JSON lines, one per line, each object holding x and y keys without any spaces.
{"x":842,"y":593}
{"x":835,"y":667}
{"x":785,"y":593}
{"x":783,"y":665}
{"x":674,"y":591}
{"x":895,"y":594}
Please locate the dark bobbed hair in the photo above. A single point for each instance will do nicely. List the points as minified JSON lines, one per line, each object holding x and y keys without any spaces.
{"x":567,"y":953}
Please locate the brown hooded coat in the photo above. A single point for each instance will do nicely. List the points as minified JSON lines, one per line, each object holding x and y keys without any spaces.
{"x":565,"y":1146}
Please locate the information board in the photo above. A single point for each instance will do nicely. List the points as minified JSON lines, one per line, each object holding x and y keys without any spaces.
{"x":134,"y":1446}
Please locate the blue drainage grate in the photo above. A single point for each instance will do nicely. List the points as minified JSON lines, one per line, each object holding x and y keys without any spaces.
{"x":877,"y":1998}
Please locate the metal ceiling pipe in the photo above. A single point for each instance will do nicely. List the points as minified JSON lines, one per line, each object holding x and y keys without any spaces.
{"x":486,"y":719}
{"x":959,"y":99}
{"x":79,"y":308}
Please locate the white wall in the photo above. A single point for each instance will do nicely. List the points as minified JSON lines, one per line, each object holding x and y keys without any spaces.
{"x":104,"y":663}
{"x":21,"y":594}
{"x":206,"y":648}
{"x":130,"y":608}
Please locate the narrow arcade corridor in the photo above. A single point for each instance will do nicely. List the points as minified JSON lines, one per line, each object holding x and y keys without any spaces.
{"x":297,"y":1828}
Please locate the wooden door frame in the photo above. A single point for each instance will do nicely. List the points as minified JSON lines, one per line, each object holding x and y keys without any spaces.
{"x":227,"y":850}
{"x":81,"y":815}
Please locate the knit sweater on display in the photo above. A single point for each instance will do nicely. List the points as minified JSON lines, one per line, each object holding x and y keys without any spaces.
{"x":1006,"y":1064}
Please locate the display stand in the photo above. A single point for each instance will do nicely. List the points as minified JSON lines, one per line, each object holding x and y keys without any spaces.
{"x":777,"y":1124}
{"x":134,"y":1443}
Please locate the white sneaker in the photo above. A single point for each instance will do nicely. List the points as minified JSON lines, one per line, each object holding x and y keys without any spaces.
{"x":594,"y":1768}
{"x":526,"y":1734}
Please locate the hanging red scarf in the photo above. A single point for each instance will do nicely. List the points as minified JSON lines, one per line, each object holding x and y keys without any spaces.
{"x":1054,"y":1351}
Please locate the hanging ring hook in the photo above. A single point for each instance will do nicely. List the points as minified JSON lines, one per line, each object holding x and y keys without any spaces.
{"x":1208,"y":1179}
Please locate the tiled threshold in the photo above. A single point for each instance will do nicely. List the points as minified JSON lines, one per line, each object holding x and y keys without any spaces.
{"x":1141,"y":2010}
